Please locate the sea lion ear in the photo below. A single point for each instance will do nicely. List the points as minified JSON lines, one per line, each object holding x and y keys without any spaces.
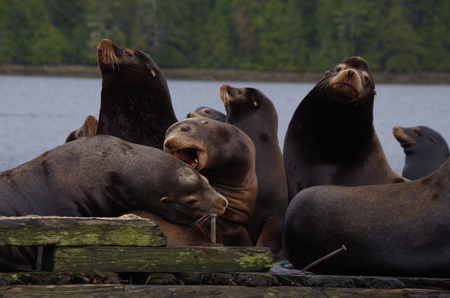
{"x":374,"y":92}
{"x":153,"y":73}
{"x":255,"y":103}
{"x":165,"y":198}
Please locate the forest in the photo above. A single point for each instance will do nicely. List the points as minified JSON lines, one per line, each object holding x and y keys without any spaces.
{"x":275,"y":35}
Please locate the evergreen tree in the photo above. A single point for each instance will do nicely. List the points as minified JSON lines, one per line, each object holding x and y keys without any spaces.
{"x":402,"y":50}
{"x":47,"y":45}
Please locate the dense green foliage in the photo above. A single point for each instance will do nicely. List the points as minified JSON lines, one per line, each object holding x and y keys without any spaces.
{"x":292,"y":35}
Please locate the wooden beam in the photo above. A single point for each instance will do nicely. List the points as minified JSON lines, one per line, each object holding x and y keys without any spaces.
{"x":158,"y":259}
{"x":80,"y":231}
{"x":206,"y":291}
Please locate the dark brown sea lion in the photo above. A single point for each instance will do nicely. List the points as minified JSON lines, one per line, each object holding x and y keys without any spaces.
{"x":89,"y":128}
{"x":226,"y":157}
{"x":135,"y":100}
{"x":400,"y":229}
{"x":252,"y":112}
{"x":208,"y":113}
{"x":104,"y":176}
{"x":426,"y":150}
{"x":331,"y":138}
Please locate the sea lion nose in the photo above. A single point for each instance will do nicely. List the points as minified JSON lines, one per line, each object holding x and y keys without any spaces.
{"x":350,"y":73}
{"x":224,"y":203}
{"x":167,"y":145}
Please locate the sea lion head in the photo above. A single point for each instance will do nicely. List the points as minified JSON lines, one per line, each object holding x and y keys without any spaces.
{"x":405,"y":139}
{"x":417,"y":136}
{"x":89,"y":128}
{"x":205,"y":143}
{"x":230,"y":95}
{"x":113,"y":59}
{"x":191,"y":139}
{"x":191,"y":198}
{"x":349,"y":81}
{"x":207,"y":113}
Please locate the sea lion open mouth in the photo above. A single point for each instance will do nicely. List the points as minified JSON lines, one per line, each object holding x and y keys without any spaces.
{"x":189,"y":155}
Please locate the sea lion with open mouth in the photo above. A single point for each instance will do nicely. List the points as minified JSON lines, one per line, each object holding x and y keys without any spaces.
{"x":226,"y":157}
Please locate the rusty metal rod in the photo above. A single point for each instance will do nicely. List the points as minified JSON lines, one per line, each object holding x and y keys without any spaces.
{"x":343,"y":248}
{"x":213,"y":228}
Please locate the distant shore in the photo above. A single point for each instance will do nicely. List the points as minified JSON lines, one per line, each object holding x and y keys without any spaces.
{"x":223,"y":74}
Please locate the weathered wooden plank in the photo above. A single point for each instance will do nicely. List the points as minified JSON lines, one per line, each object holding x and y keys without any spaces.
{"x":72,"y":231}
{"x":342,"y":281}
{"x":158,"y":259}
{"x":206,"y":291}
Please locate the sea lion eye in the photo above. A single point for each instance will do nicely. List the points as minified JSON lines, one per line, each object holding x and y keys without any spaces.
{"x":338,"y":69}
{"x":128,"y":54}
{"x":208,"y":112}
{"x":186,"y":128}
{"x":192,"y":202}
{"x":417,"y":131}
{"x":80,"y":134}
{"x":366,"y":79}
{"x":239,"y":91}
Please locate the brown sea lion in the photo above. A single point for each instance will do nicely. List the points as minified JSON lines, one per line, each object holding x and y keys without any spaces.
{"x":252,"y":112}
{"x":207,"y":113}
{"x":226,"y":157}
{"x":400,"y":229}
{"x":89,"y":128}
{"x":331,"y":138}
{"x":426,"y":150}
{"x":135,"y":99}
{"x":104,"y":176}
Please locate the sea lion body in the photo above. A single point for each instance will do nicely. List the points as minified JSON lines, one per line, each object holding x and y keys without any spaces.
{"x":207,"y":113}
{"x":425,"y":149}
{"x":89,"y":128}
{"x":135,"y":99}
{"x":254,"y":113}
{"x":400,"y":229}
{"x":226,"y":157}
{"x":107,"y":176}
{"x":331,"y":138}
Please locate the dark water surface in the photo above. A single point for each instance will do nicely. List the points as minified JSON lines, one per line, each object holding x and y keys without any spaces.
{"x":38,"y":113}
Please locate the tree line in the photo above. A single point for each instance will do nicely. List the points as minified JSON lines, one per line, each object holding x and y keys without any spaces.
{"x":282,"y":35}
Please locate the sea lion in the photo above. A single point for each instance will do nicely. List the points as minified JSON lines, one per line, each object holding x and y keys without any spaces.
{"x":226,"y":157}
{"x":400,"y":229}
{"x":89,"y":128}
{"x":331,"y":138}
{"x":104,"y":176}
{"x":426,"y":150}
{"x":135,"y":99}
{"x":207,"y":113}
{"x":254,"y":113}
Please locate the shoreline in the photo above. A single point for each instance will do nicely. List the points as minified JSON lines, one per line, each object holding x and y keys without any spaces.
{"x":223,"y":74}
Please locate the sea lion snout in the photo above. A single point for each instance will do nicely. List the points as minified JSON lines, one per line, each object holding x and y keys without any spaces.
{"x":167,"y":145}
{"x":350,"y":73}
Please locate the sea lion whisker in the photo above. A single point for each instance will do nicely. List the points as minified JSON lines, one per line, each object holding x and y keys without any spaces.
{"x":198,"y":222}
{"x":322,"y":85}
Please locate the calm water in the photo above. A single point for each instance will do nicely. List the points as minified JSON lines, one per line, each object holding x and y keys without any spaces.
{"x":37,"y":113}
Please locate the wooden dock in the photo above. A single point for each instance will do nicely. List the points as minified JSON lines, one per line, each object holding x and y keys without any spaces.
{"x":128,"y":257}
